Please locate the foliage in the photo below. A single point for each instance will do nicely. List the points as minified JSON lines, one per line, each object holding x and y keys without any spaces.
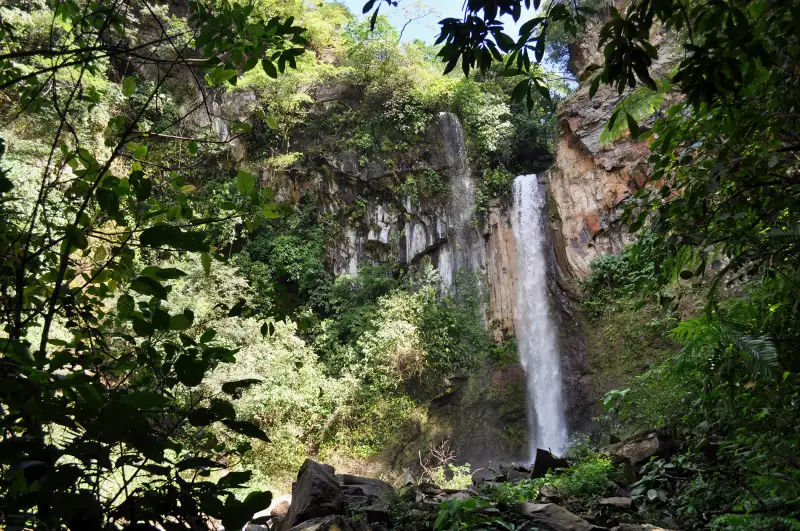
{"x":89,"y":333}
{"x":467,"y":514}
{"x":496,"y":183}
{"x":728,"y":395}
{"x":630,"y":274}
{"x":590,"y":477}
{"x":450,"y":476}
{"x":512,"y":494}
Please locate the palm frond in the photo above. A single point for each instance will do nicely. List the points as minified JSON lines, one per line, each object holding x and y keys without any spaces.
{"x":640,"y":104}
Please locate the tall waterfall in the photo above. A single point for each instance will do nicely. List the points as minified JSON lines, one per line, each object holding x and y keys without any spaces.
{"x":536,"y":335}
{"x":464,"y":249}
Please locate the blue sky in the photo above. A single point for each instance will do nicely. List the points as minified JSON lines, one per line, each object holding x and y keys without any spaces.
{"x":426,"y":29}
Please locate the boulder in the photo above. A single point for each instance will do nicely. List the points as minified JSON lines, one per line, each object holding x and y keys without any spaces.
{"x":514,"y":474}
{"x":546,"y":461}
{"x":458,"y":496}
{"x":280,"y":510}
{"x":552,"y":517}
{"x":639,"y":450}
{"x":325,"y":523}
{"x":617,"y":502}
{"x":429,"y":489}
{"x":347,"y":479}
{"x":355,"y":499}
{"x":366,"y":490}
{"x":315,"y":494}
{"x":548,"y":494}
{"x":378,"y":512}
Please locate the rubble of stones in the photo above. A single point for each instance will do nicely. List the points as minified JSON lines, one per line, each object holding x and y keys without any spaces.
{"x":325,"y":501}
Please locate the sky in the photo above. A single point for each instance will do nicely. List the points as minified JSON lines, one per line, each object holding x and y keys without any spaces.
{"x":428,"y":28}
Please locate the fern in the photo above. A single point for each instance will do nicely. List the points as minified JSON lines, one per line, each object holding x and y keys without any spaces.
{"x":708,"y":338}
{"x":639,"y":104}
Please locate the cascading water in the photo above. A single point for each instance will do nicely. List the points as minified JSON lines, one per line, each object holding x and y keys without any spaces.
{"x":536,"y":335}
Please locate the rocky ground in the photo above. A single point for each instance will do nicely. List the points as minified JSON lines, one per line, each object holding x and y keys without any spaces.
{"x":325,"y":501}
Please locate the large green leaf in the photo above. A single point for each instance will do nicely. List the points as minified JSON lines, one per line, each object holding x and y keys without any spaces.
{"x":246,"y":428}
{"x":149,"y":286}
{"x":189,"y":370}
{"x":174,"y":237}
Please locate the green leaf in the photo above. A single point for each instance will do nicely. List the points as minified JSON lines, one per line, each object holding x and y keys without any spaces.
{"x":125,"y":305}
{"x":633,"y":127}
{"x":192,"y":147}
{"x":241,"y":127}
{"x":222,"y":409}
{"x":189,"y":370}
{"x":198,"y":462}
{"x":269,"y":68}
{"x":208,"y":335}
{"x":202,"y":417}
{"x":146,"y":400}
{"x":108,"y":201}
{"x":256,"y":501}
{"x":18,"y":351}
{"x":76,"y":237}
{"x":245,"y":183}
{"x":236,"y":479}
{"x":594,"y":86}
{"x":148,"y":286}
{"x":246,"y":428}
{"x":237,"y":309}
{"x":181,"y":321}
{"x":271,"y":122}
{"x":271,"y":211}
{"x":128,"y":87}
{"x":235,"y":388}
{"x":175,"y":237}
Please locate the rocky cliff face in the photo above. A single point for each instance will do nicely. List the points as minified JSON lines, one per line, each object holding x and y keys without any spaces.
{"x":589,"y":181}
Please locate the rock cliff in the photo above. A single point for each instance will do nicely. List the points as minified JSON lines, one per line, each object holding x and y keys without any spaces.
{"x":590,"y":181}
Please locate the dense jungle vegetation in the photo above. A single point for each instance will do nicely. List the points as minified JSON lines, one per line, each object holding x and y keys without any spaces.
{"x":175,"y":341}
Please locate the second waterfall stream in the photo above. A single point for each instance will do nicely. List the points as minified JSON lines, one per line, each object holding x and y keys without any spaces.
{"x":536,"y":334}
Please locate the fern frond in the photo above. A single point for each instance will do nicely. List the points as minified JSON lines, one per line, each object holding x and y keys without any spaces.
{"x":762,"y":352}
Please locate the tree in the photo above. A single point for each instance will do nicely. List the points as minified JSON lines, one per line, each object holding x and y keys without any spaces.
{"x":103,"y":426}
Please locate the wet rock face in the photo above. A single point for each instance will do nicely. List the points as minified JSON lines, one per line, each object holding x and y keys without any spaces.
{"x":501,"y":271}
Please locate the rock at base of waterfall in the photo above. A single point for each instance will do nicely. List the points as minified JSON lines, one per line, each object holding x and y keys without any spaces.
{"x":549,"y":494}
{"x":617,"y":502}
{"x":280,"y":510}
{"x":552,"y":517}
{"x":347,"y":479}
{"x":325,"y":523}
{"x":514,"y":474}
{"x":639,"y":450}
{"x":315,"y":494}
{"x":546,"y":461}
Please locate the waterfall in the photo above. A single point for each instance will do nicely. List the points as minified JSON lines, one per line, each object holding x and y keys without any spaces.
{"x":536,"y":335}
{"x":464,"y":249}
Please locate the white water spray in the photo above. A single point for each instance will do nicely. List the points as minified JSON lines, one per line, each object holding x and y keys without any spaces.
{"x":536,"y":335}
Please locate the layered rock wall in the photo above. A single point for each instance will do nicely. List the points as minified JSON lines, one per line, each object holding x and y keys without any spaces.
{"x":590,"y":181}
